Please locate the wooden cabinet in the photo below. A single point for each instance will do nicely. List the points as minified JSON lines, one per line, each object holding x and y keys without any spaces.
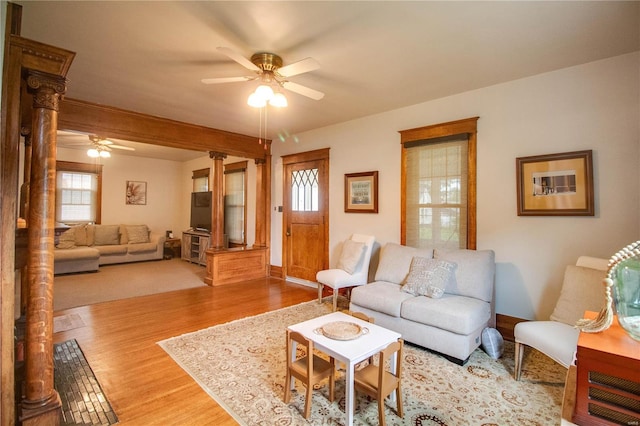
{"x":236,"y":265}
{"x":608,"y":378}
{"x":194,"y":246}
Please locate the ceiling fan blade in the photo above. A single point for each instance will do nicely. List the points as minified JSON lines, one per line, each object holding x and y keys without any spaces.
{"x":226,"y":79}
{"x":303,"y":90}
{"x":238,"y":58}
{"x":126,"y":148}
{"x":305,"y":65}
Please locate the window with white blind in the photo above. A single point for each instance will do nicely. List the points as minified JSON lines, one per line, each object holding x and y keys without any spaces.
{"x":436,"y":194}
{"x":200,"y":180}
{"x":78,"y":192}
{"x":235,"y":201}
{"x":438,"y":185}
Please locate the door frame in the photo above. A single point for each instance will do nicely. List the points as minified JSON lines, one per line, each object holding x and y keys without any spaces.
{"x":302,"y":157}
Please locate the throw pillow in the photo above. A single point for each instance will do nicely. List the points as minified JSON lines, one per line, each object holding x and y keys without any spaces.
{"x":106,"y":235}
{"x":67,"y":239}
{"x":395,"y":261}
{"x":492,"y":342}
{"x":428,"y":277}
{"x":582,"y":290}
{"x":351,"y":255}
{"x":80,"y":233}
{"x":137,"y":234}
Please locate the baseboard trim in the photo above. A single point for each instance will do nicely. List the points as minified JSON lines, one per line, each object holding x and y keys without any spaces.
{"x":505,"y":325}
{"x":276,"y":271}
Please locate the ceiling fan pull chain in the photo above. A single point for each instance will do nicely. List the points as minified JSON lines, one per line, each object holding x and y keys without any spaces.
{"x":265,"y":126}
{"x":260,"y":126}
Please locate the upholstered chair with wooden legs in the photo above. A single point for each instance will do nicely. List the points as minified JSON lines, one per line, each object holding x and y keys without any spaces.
{"x":310,"y":369}
{"x":582,"y":290}
{"x":378,"y":382}
{"x":352,"y":269}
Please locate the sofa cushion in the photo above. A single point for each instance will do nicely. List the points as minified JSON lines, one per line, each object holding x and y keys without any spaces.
{"x":137,"y":234}
{"x":77,"y":253}
{"x":351,"y":255}
{"x":112,"y":249}
{"x":395,"y":261}
{"x":429,"y":277}
{"x":67,"y":239}
{"x":380,"y":296}
{"x":142,"y":247}
{"x":582,"y":290}
{"x":475,"y":272}
{"x":80,"y":233}
{"x":105,"y":235}
{"x":457,"y":314}
{"x":90,"y":229}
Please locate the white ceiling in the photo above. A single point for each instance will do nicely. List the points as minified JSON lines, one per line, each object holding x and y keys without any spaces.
{"x":374,"y":56}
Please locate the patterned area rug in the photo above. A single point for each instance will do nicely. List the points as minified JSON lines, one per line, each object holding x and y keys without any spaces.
{"x":242,"y":364}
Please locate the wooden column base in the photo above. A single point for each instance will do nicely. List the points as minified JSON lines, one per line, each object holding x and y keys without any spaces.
{"x":235,"y":265}
{"x":48,"y":414}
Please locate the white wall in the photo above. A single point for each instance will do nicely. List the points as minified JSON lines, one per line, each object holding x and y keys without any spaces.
{"x":594,"y":106}
{"x":163,"y":210}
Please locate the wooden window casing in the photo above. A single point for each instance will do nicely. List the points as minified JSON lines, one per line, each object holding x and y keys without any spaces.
{"x":436,"y":133}
{"x":69,"y":166}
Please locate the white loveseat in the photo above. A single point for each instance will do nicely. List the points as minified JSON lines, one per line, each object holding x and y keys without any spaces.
{"x":83,"y":248}
{"x":450,"y":321}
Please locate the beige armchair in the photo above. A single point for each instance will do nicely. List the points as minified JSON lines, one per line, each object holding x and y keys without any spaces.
{"x":352,"y":269}
{"x":582,"y":290}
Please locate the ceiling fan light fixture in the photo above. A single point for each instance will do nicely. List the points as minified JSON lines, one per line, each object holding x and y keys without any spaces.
{"x":278,"y":100}
{"x":105,"y":154}
{"x":93,"y":153}
{"x":256,"y":101}
{"x":265,"y":92}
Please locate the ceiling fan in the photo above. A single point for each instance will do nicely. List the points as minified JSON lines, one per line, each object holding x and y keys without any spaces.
{"x":107,"y":144}
{"x":98,"y":146}
{"x":268,"y":69}
{"x":102,"y":146}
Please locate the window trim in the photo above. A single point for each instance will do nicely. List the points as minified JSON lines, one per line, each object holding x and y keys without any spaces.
{"x":239,"y":167}
{"x":468,"y":126}
{"x":201,"y":173}
{"x":70,"y":166}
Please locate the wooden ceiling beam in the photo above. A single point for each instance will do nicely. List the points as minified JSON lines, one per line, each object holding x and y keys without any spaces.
{"x":107,"y":121}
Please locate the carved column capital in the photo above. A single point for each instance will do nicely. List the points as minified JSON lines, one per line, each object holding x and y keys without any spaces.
{"x":217,"y":155}
{"x":47,"y":89}
{"x":260,"y":161}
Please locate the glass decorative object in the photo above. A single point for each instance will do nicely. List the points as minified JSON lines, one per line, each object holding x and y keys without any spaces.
{"x":623,"y":280}
{"x":627,"y":291}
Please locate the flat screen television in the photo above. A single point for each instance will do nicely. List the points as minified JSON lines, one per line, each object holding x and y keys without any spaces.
{"x":201,"y":211}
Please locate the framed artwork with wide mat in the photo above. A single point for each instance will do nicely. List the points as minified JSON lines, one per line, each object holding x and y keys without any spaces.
{"x":555,"y":184}
{"x":361,"y":192}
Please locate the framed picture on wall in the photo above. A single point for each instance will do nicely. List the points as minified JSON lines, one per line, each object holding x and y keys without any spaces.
{"x":555,"y":184}
{"x":136,"y":192}
{"x":361,"y":192}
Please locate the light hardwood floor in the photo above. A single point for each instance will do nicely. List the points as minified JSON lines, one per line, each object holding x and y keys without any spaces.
{"x":143,"y":384}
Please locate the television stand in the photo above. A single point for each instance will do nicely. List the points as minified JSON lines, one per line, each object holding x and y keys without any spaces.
{"x":194,"y":245}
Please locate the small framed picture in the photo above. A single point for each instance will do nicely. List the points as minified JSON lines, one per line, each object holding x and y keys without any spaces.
{"x":361,"y":192}
{"x":136,"y":193}
{"x":555,"y":184}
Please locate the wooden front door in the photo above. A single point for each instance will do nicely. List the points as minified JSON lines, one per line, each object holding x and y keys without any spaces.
{"x":306,"y":214}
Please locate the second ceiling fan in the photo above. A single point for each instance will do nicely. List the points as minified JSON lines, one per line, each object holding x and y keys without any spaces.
{"x":268,"y":69}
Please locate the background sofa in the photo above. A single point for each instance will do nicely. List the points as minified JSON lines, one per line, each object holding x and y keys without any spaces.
{"x":439,"y":299}
{"x":83,"y":248}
